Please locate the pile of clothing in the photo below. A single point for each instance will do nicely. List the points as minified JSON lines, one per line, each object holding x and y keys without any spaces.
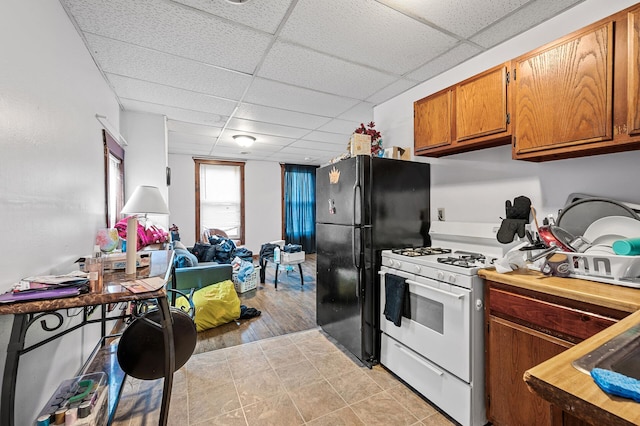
{"x":220,"y":250}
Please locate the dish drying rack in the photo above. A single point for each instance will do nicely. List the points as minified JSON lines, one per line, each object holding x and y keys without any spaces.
{"x":609,"y":268}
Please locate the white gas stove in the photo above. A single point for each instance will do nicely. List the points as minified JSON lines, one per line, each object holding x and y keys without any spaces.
{"x":444,"y":264}
{"x":438,"y":345}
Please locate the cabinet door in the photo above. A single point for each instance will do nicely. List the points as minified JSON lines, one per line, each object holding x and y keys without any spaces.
{"x":481,"y":105}
{"x":633,"y":70}
{"x":432,"y":121}
{"x":513,"y":349}
{"x":563,"y":95}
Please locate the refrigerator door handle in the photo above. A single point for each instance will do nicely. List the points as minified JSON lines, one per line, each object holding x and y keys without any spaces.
{"x":357,"y":202}
{"x":355,"y":247}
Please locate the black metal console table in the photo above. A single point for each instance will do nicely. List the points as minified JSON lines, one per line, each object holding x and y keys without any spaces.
{"x":29,"y":313}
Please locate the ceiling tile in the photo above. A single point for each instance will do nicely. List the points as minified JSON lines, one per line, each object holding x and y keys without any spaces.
{"x":175,"y":113}
{"x":150,"y":65}
{"x":190,"y":138}
{"x":165,"y":95}
{"x":461,"y":17}
{"x":255,"y":148}
{"x":261,"y":15}
{"x":378,"y":37}
{"x":361,"y":113}
{"x":174,"y":29}
{"x":187,"y":151}
{"x":527,"y":17}
{"x":266,"y":128}
{"x":340,"y":126}
{"x":310,"y":146}
{"x":453,"y":57}
{"x":285,"y":96}
{"x":280,"y":116}
{"x":307,"y":68}
{"x":194,"y":62}
{"x":195,"y":129}
{"x":391,"y":90}
{"x":334,"y":138}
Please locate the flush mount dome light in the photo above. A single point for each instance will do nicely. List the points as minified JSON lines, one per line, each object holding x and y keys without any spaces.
{"x":238,"y":1}
{"x":244,"y":141}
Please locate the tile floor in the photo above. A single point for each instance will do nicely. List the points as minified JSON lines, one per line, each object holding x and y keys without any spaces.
{"x":295,"y":379}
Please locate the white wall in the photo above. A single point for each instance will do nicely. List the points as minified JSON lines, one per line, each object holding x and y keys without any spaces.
{"x":51,"y":174}
{"x":263,"y":207}
{"x":262,"y":211}
{"x":474,"y":186}
{"x":146,"y":155}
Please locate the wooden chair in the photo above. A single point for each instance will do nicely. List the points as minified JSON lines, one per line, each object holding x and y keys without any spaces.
{"x":207,"y":232}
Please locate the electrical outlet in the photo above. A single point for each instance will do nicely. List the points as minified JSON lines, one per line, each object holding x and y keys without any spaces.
{"x":441,"y":214}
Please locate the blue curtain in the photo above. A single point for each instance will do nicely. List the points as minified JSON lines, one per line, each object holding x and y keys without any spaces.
{"x":300,"y":206}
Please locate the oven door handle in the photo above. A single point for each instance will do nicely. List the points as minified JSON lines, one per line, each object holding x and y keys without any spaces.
{"x":435,"y":370}
{"x":437,"y":290}
{"x":397,"y":273}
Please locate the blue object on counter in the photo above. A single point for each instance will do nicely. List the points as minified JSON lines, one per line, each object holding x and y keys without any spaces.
{"x":616,"y":383}
{"x":628,"y":247}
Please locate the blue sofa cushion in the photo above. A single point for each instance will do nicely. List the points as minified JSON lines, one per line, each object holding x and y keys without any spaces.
{"x":184,"y":259}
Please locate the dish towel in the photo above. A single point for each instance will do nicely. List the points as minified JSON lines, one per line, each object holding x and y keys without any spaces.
{"x":396,"y":292}
{"x":617,"y":384}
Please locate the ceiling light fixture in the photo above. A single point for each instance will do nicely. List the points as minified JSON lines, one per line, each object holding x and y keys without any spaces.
{"x":238,"y":1}
{"x":244,"y":141}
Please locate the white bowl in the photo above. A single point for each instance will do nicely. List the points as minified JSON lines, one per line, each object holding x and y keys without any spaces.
{"x":603,"y":249}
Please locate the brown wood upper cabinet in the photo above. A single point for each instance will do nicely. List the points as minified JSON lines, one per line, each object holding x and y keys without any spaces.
{"x":579,"y":95}
{"x":633,"y":70}
{"x":432,"y":121}
{"x":471,"y":115}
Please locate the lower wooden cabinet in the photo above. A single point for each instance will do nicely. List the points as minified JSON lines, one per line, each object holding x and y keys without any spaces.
{"x":522,"y":329}
{"x":515,"y":349}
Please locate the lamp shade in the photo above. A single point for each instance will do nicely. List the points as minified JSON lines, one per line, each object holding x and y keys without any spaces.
{"x":146,"y":200}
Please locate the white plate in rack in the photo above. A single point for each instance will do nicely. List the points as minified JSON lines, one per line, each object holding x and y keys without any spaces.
{"x":612,"y":228}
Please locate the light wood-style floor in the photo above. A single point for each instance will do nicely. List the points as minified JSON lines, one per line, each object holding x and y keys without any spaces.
{"x":277,"y":369}
{"x":289,"y":309}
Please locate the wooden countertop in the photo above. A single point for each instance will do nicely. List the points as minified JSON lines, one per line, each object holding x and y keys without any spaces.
{"x":625,"y":299}
{"x":560,"y":383}
{"x":557,"y":380}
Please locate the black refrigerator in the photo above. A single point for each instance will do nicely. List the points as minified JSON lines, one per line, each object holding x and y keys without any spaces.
{"x":364,"y":205}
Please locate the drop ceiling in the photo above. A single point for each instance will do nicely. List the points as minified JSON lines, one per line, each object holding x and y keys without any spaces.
{"x":298,"y":75}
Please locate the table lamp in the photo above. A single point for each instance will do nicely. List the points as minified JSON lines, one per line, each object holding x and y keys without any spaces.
{"x":144,"y":200}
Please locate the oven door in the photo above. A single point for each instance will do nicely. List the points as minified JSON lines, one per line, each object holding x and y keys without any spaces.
{"x":439,"y":328}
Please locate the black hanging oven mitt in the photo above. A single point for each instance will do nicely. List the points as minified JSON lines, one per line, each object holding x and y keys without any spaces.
{"x":516,"y":220}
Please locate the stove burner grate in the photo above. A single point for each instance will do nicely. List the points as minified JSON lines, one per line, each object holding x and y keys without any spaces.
{"x":463,"y":259}
{"x":421,"y":251}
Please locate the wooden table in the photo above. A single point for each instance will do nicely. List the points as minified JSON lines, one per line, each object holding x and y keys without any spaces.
{"x":28,"y":313}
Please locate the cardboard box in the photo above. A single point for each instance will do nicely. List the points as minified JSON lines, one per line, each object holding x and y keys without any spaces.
{"x":397,"y":153}
{"x":360,"y":144}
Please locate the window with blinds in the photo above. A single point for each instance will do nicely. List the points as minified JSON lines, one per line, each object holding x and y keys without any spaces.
{"x":220,"y":198}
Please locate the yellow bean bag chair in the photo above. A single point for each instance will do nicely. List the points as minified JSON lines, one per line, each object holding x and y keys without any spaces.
{"x":215,"y":304}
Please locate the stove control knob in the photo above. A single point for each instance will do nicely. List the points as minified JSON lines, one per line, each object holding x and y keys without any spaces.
{"x":440,"y":275}
{"x":391,"y":262}
{"x":453,"y":278}
{"x":479,"y":305}
{"x":418,"y":269}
